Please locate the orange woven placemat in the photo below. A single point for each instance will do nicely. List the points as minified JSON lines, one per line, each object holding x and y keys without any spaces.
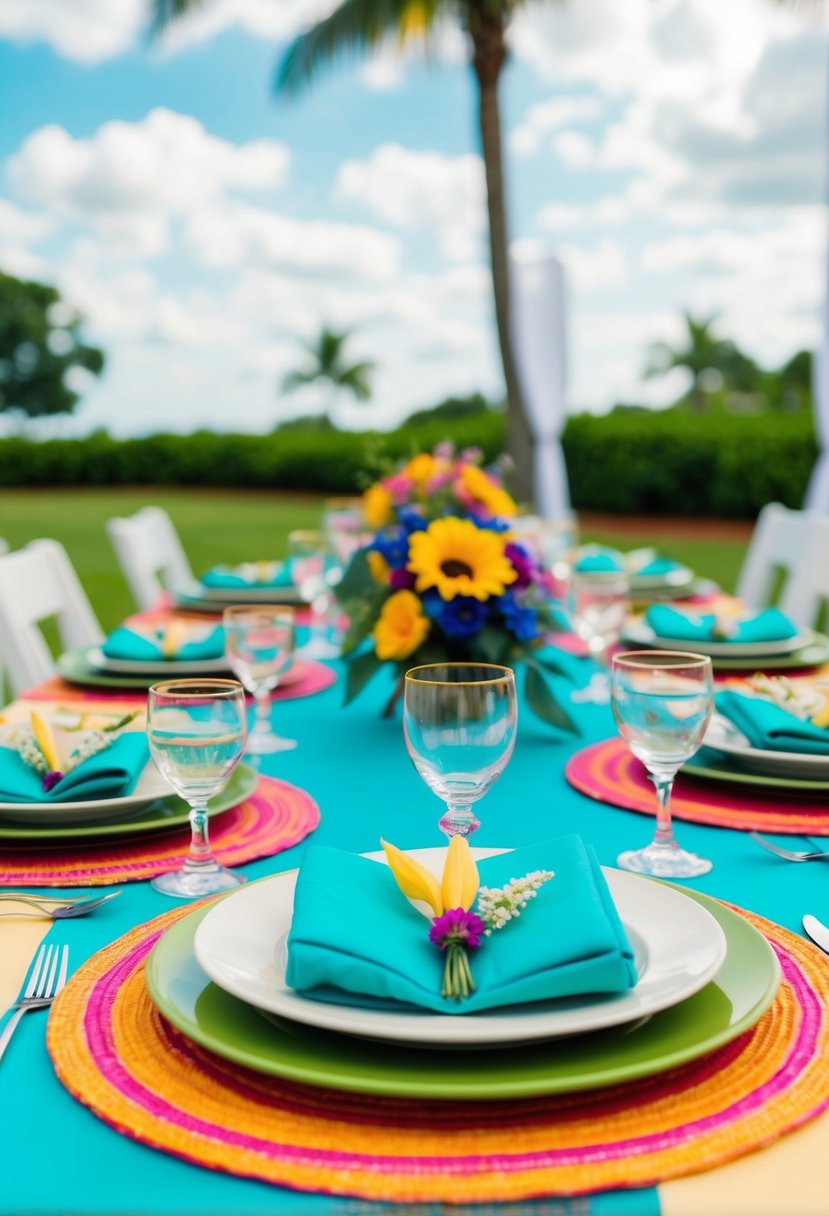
{"x":116,"y":1054}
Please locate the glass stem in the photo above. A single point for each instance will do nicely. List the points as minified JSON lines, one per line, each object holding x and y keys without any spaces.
{"x":319,"y":618}
{"x":262,"y":721}
{"x":458,"y":821}
{"x":200,"y":852}
{"x":664,"y":836}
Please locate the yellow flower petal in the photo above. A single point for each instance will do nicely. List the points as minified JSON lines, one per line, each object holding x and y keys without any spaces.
{"x":821,"y":718}
{"x":460,"y":875}
{"x":46,"y":742}
{"x":401,"y":628}
{"x":457,"y":558}
{"x":377,"y":506}
{"x":413,"y":879}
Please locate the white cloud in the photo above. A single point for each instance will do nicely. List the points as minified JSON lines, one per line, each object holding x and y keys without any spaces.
{"x":607,"y":212}
{"x":604,"y":265}
{"x":413,"y":189}
{"x":575,"y":149}
{"x":541,"y":119}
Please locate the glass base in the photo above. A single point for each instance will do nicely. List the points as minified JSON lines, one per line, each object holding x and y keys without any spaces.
{"x":458,"y":825}
{"x":195,"y":881}
{"x":664,"y":861}
{"x":318,"y":648}
{"x":267,"y":742}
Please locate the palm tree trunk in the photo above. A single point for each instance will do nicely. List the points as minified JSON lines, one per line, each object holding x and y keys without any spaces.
{"x":486,"y":30}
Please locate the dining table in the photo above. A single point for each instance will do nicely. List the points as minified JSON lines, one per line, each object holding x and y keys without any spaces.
{"x":58,"y":1159}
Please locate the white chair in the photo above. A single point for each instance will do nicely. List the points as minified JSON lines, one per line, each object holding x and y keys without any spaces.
{"x":150,"y":554}
{"x":36,"y":583}
{"x":806,"y":595}
{"x":783,"y":540}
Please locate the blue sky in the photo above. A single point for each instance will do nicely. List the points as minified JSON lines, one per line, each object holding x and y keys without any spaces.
{"x":670,"y":152}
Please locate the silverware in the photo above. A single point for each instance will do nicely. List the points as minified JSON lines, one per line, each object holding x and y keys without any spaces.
{"x":787,"y":854}
{"x":817,"y":931}
{"x":47,"y":975}
{"x":51,"y":907}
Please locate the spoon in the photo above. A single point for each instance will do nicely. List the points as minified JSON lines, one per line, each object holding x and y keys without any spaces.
{"x":817,"y":931}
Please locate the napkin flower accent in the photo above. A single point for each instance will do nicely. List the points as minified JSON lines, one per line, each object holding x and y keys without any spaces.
{"x":455,"y":929}
{"x":800,"y":700}
{"x":38,"y":746}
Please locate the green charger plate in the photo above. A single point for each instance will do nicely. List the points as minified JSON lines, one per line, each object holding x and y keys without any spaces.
{"x":733,"y":1002}
{"x":812,"y":655}
{"x":711,"y":765}
{"x":75,"y":667}
{"x":158,"y":816}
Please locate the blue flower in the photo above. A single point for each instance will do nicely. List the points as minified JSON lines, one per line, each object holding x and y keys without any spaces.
{"x":462,"y":616}
{"x":394,"y":547}
{"x":411,"y":520}
{"x":491,"y":523}
{"x":519,"y":620}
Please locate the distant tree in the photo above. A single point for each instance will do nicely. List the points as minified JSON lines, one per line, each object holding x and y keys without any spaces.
{"x":307,"y":422}
{"x":701,"y":355}
{"x":794,"y":381}
{"x":39,"y":344}
{"x":452,"y":407}
{"x":328,"y":364}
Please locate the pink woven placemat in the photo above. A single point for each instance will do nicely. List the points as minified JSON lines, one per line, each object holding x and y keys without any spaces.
{"x":116,"y":1054}
{"x":609,"y":773}
{"x":275,"y":817}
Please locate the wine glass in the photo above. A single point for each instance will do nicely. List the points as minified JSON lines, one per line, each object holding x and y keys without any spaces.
{"x":598,"y":608}
{"x":315,"y":571}
{"x":662,"y":701}
{"x":460,"y":721}
{"x":259,"y":644}
{"x":196,"y":732}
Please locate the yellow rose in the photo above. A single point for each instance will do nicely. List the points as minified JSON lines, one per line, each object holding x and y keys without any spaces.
{"x":484,"y":490}
{"x":377,"y":506}
{"x":401,"y":627}
{"x":420,"y":469}
{"x":378,"y":566}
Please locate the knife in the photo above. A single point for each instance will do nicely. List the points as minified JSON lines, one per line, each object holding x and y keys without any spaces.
{"x":817,"y":931}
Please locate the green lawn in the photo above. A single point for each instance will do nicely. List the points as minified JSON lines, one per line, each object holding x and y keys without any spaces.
{"x":231,"y":526}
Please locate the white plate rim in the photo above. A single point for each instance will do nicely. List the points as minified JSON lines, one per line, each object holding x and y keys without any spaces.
{"x":680,"y":576}
{"x":760,"y":759}
{"x":643,"y":634}
{"x":142,"y":667}
{"x":263,"y":986}
{"x":106,"y":808}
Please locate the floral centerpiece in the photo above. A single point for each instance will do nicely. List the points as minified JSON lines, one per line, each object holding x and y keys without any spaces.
{"x":444,"y":579}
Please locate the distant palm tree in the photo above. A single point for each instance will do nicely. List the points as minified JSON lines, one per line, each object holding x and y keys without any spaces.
{"x":328,"y":364}
{"x":357,"y":26}
{"x":702,"y":353}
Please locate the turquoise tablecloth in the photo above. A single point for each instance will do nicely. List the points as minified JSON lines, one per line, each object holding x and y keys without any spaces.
{"x":59,"y":1158}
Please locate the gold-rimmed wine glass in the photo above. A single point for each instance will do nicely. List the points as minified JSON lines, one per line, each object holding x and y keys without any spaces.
{"x":460,"y":722}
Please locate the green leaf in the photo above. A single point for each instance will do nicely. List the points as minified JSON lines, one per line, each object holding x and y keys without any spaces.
{"x":542,"y":702}
{"x":357,"y":580}
{"x":362,"y":616}
{"x":360,"y":670}
{"x":551,"y":665}
{"x":492,"y":644}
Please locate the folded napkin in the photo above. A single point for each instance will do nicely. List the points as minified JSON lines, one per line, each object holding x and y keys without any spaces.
{"x":657,"y":567}
{"x":770,"y":625}
{"x":598,"y":560}
{"x":355,"y":935}
{"x":250,"y":574}
{"x":126,"y":643}
{"x":111,"y":773}
{"x":771,"y":728}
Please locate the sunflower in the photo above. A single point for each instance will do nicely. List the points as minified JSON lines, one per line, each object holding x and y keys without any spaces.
{"x":459,"y":559}
{"x":377,"y":506}
{"x":401,"y":627}
{"x":480,"y":487}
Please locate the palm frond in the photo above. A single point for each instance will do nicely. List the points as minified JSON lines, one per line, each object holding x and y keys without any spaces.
{"x":165,"y":12}
{"x":295,"y":380}
{"x":355,"y":26}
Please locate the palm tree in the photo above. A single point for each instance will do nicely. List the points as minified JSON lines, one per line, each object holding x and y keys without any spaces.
{"x":357,"y":26}
{"x":328,"y":364}
{"x":702,"y":353}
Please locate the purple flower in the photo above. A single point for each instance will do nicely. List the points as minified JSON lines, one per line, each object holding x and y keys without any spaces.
{"x":523,"y":563}
{"x":462,"y":617}
{"x":401,"y":580}
{"x":51,"y":780}
{"x":457,"y":928}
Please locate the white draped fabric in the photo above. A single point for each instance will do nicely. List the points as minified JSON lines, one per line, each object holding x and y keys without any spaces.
{"x":538,"y":326}
{"x":817,"y":495}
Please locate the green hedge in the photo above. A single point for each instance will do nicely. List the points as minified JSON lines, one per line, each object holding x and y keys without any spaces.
{"x":630,"y":461}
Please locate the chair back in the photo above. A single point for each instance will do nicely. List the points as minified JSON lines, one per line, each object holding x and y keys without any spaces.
{"x":150,"y":554}
{"x":782,"y":539}
{"x":806,"y":595}
{"x":36,"y":583}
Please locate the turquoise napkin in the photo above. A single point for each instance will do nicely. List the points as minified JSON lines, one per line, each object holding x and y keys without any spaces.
{"x":771,"y":728}
{"x":770,"y":625}
{"x":355,"y":935}
{"x":600,"y":561}
{"x":232,"y":576}
{"x":659,"y":566}
{"x":111,"y":773}
{"x":124,"y":643}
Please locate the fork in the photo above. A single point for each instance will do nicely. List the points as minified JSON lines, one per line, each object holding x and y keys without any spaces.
{"x":58,"y":911}
{"x":788,"y":854}
{"x":47,"y":975}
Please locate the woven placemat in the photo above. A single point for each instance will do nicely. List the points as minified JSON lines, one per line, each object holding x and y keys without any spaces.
{"x":609,"y":773}
{"x":116,"y":1054}
{"x":273,"y":818}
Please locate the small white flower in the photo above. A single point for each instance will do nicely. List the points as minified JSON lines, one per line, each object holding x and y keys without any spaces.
{"x":499,"y":905}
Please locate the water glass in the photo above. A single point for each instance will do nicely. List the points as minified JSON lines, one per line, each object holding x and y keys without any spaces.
{"x":662,"y":702}
{"x":459,"y":722}
{"x":196,"y":731}
{"x":598,"y":607}
{"x":315,"y":570}
{"x":259,"y":644}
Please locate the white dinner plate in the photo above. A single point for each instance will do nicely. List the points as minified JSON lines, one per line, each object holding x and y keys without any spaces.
{"x":151,"y":667}
{"x":197,"y":593}
{"x":725,"y":737}
{"x":150,"y":786}
{"x":678,"y":946}
{"x":641,"y":634}
{"x":681,"y":576}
